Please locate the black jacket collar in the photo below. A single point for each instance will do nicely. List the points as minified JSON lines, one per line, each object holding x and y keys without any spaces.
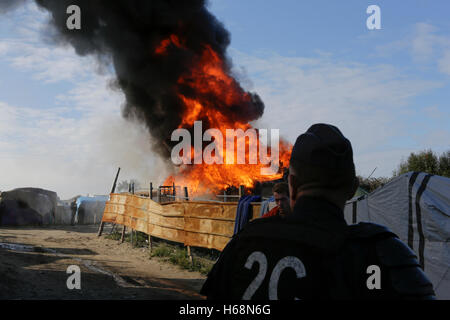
{"x":318,"y":211}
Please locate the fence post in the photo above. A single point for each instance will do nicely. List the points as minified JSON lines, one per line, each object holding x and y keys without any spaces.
{"x":131,"y":239}
{"x":186,"y":195}
{"x":191,"y":260}
{"x":102,"y":224}
{"x":123,"y":234}
{"x":151,"y":190}
{"x":150,"y":243}
{"x":241,"y":191}
{"x":113,"y":229}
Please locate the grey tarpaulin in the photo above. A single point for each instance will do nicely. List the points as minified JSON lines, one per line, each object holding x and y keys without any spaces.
{"x":415,"y":206}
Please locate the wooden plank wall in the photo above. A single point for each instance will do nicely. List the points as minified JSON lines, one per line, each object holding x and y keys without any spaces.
{"x":198,"y":224}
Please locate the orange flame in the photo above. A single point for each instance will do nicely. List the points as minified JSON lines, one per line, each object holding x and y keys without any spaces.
{"x":172,"y":40}
{"x":208,"y":78}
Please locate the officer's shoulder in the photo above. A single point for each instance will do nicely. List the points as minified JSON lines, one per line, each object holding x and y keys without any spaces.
{"x":367,"y":230}
{"x":382,"y":239}
{"x":405,"y":272}
{"x":260,"y":224}
{"x":389,"y":248}
{"x":264,"y":221}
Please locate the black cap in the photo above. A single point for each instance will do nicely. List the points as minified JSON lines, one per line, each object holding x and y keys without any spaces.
{"x":323,"y":156}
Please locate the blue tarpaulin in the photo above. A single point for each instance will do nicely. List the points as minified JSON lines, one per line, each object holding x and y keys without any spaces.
{"x":84,"y":202}
{"x":91,"y":199}
{"x":244,"y":211}
{"x":265,"y":206}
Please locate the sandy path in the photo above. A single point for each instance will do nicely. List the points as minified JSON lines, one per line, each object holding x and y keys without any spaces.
{"x":109,"y":270}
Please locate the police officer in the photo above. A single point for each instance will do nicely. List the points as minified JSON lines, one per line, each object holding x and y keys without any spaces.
{"x":312,"y":253}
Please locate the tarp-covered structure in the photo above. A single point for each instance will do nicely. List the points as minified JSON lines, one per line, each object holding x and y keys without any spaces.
{"x":415,"y":206}
{"x":33,"y":206}
{"x":28,"y":206}
{"x":90,"y":209}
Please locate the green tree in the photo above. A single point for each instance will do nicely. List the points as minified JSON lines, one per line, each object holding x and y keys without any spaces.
{"x":444,"y":164}
{"x":426,"y":161}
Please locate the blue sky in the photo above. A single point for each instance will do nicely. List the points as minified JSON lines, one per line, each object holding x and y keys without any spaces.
{"x":310,"y":61}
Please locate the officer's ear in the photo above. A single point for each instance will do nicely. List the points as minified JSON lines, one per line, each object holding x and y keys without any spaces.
{"x":293,"y":187}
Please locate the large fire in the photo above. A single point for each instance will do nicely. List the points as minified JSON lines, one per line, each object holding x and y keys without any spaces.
{"x":211,"y":92}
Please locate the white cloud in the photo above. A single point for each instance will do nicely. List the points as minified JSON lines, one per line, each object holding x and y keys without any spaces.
{"x":426,"y":45}
{"x":385,"y":161}
{"x":444,"y":63}
{"x":370,"y":104}
{"x":437,"y":139}
{"x":423,"y":42}
{"x":48,"y":64}
{"x":3,"y":48}
{"x":29,"y":51}
{"x":430,"y":45}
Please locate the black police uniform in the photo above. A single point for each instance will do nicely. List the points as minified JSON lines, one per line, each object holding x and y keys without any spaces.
{"x":314,"y":254}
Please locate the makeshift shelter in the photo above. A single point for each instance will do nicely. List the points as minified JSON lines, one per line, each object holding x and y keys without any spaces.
{"x":14,"y":213}
{"x":415,"y":206}
{"x":64,"y":214}
{"x":90,"y":209}
{"x":26,"y":206}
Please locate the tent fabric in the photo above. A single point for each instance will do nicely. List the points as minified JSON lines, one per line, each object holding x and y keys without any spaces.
{"x":63,"y":215}
{"x":244,"y":211}
{"x":13,"y":213}
{"x":19,"y":202}
{"x":33,"y":206}
{"x":90,"y":209}
{"x":415,"y":206}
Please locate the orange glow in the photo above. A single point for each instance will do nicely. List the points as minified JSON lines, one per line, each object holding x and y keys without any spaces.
{"x":162,"y":48}
{"x":215,"y":92}
{"x":206,"y":179}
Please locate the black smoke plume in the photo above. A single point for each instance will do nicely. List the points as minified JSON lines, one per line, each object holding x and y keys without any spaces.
{"x":127,"y":33}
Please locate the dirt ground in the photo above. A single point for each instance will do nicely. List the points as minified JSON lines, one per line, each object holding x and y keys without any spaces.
{"x":109,"y":270}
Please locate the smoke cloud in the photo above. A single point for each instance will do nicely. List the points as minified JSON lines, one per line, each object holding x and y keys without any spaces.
{"x":128,"y":33}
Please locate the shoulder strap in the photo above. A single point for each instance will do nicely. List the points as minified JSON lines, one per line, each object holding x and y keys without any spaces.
{"x":404,"y":270}
{"x":403,"y":277}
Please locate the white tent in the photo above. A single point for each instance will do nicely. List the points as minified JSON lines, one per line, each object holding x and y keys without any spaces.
{"x":416,"y":207}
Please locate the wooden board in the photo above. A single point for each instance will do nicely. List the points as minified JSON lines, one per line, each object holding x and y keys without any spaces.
{"x":199,"y":224}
